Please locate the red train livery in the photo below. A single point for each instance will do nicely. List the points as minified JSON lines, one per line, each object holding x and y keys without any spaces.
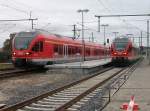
{"x":123,"y":50}
{"x":41,"y":48}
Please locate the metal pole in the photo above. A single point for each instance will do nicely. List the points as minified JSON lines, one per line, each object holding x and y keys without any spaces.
{"x":139,"y":41}
{"x":104,"y":43}
{"x":115,"y":34}
{"x":83,"y":42}
{"x":92,"y":37}
{"x":147,"y":39}
{"x":32,"y":23}
{"x":133,"y":39}
{"x":141,"y":37}
{"x":104,"y":25}
{"x":74,"y":31}
{"x":141,"y":48}
{"x":83,"y":47}
{"x":104,"y":37}
{"x":99,"y":24}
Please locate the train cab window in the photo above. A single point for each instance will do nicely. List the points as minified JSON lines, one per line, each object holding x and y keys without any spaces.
{"x":38,"y":47}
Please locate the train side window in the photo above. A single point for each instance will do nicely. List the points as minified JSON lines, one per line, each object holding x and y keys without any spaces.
{"x":58,"y":49}
{"x":78,"y":50}
{"x":87,"y":51}
{"x":69,"y":50}
{"x":55,"y":48}
{"x":38,"y":47}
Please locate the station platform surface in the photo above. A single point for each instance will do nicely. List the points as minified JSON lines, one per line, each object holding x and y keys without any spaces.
{"x":138,"y":85}
{"x":85,"y":64}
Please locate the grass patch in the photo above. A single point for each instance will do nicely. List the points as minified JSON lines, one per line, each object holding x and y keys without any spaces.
{"x":5,"y":66}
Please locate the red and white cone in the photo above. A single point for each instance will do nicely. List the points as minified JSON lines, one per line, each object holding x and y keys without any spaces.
{"x":132,"y":106}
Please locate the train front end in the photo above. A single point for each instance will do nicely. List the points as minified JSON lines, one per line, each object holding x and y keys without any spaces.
{"x":120,"y":50}
{"x":25,"y":47}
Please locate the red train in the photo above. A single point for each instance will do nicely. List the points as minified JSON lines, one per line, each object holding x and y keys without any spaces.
{"x":123,"y":51}
{"x":41,"y":48}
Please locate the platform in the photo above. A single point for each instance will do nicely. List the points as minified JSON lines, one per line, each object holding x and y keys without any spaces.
{"x":85,"y":64}
{"x":78,"y":67}
{"x":138,"y":85}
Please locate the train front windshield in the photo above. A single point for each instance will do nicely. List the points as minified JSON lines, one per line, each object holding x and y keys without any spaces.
{"x":120,"y":46}
{"x":23,"y":40}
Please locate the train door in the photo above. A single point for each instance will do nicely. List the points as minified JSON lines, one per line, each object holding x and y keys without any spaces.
{"x":65,"y":50}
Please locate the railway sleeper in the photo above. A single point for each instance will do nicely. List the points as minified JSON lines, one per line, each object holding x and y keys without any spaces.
{"x":57,"y":99}
{"x":30,"y":108}
{"x":49,"y":103}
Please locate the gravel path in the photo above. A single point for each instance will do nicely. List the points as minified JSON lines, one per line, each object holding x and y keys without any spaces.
{"x":16,"y":89}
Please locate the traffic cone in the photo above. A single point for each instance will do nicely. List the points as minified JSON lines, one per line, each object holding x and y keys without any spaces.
{"x":132,"y":106}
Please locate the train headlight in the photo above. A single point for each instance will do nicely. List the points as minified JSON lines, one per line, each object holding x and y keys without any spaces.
{"x":14,"y":53}
{"x":28,"y":53}
{"x":115,"y":53}
{"x":124,"y":53}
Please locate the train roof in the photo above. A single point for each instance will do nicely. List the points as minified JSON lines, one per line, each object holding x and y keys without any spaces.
{"x":121,"y":40}
{"x":56,"y":37}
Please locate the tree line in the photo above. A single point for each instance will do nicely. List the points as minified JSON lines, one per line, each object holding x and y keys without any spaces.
{"x":5,"y":54}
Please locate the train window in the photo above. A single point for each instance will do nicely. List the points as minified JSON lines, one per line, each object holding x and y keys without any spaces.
{"x":96,"y":52}
{"x":22,"y":40}
{"x":78,"y":50}
{"x":38,"y":47}
{"x":87,"y":51}
{"x":69,"y":50}
{"x":22,"y":43}
{"x":73,"y":50}
{"x":99,"y":51}
{"x":58,"y":49}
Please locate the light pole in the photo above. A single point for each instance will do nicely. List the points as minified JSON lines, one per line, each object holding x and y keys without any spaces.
{"x":148,"y":40}
{"x":83,"y":42}
{"x":104,"y":25}
{"x":115,"y":34}
{"x":130,"y":36}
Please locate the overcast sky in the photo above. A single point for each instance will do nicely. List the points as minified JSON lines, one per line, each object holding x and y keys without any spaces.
{"x":58,"y":16}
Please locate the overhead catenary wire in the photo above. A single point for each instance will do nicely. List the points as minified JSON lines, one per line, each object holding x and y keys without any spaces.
{"x":19,"y":10}
{"x":109,"y":11}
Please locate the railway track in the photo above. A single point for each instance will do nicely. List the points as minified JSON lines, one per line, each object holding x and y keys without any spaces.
{"x":63,"y":98}
{"x":6,"y":69}
{"x":13,"y":72}
{"x":70,"y":97}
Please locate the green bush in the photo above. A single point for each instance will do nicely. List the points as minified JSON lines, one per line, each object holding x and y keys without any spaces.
{"x":5,"y":57}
